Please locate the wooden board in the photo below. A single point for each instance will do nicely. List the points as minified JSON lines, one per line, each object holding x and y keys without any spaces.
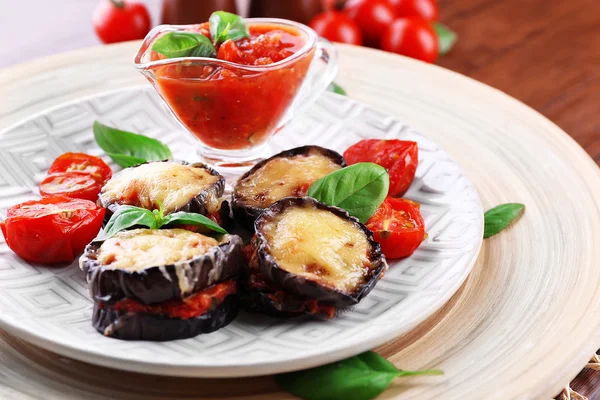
{"x":523,"y":325}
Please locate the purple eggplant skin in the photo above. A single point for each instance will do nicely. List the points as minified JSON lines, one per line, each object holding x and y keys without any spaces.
{"x":126,"y":325}
{"x":305,"y":288}
{"x":247,"y":214}
{"x":197,"y":205}
{"x":259,"y":303}
{"x":158,"y":284}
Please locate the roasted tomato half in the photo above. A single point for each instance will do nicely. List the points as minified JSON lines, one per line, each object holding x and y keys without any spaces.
{"x":398,"y":227}
{"x":51,"y":230}
{"x":83,"y":163}
{"x":399,"y":157}
{"x":77,"y":185}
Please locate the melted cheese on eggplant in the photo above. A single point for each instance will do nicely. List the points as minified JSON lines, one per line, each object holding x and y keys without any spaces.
{"x":282,"y":177}
{"x":139,"y":249}
{"x":172,"y":184}
{"x":320,"y":246}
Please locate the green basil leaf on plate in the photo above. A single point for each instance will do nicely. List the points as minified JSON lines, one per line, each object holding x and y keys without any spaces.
{"x":446,"y":37}
{"x":335,"y":88}
{"x":500,"y":217}
{"x":359,"y":189}
{"x":128,"y":149}
{"x":362,"y":377}
{"x":184,"y":44}
{"x":185,"y":218}
{"x":126,"y":217}
{"x":225,"y":26}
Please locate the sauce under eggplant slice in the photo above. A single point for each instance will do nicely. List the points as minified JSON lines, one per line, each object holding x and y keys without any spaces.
{"x":289,"y":173}
{"x":316,"y":252}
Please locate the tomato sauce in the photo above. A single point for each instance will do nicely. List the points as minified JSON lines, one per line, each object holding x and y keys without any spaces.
{"x":229,"y":107}
{"x":190,"y":307}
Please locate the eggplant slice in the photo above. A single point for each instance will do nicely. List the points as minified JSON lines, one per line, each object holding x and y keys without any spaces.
{"x":126,"y":325}
{"x":153,"y":266}
{"x":289,"y":173}
{"x":177,"y":185}
{"x":316,"y":252}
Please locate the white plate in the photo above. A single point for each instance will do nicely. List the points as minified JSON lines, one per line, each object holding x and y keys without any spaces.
{"x":51,"y":307}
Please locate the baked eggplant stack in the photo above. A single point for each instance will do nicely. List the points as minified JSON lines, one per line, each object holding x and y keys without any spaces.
{"x":309,"y":258}
{"x":287,"y":174}
{"x":176,"y":185}
{"x":163,"y":284}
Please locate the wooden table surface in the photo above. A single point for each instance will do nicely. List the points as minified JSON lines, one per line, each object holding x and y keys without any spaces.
{"x":543,"y":52}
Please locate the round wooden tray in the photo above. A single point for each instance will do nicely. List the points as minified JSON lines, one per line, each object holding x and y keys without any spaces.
{"x":525,"y":322}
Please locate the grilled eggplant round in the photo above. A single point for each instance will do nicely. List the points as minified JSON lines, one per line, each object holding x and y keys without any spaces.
{"x":127,"y":325}
{"x":316,"y":252}
{"x":289,"y":173}
{"x":177,"y":185}
{"x":153,"y":266}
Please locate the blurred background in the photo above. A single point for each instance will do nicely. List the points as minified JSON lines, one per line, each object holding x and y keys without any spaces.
{"x":543,"y":52}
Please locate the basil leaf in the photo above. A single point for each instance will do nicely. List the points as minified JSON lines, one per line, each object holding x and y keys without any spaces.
{"x":225,"y":26}
{"x":126,"y":217}
{"x":359,"y":189}
{"x":184,"y":44}
{"x":192,"y":219}
{"x":500,"y":217}
{"x":362,"y":377}
{"x":446,"y":37}
{"x":335,"y":88}
{"x":128,"y":149}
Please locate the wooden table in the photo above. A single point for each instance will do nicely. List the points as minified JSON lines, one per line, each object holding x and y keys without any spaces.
{"x":543,"y":52}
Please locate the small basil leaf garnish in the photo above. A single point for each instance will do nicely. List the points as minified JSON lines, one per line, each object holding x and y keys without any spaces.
{"x":185,"y":218}
{"x":184,"y":44}
{"x":446,"y":37}
{"x":129,"y":216}
{"x":500,"y":217}
{"x":126,"y":217}
{"x":225,"y":26}
{"x":335,"y":88}
{"x":359,"y":189}
{"x":128,"y":149}
{"x":362,"y":377}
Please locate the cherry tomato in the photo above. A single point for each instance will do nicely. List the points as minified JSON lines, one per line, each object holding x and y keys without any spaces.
{"x":84,"y":163}
{"x":372,"y":18}
{"x":412,"y":37}
{"x":399,"y":157}
{"x":336,"y":27}
{"x":398,"y":227}
{"x":426,"y":9}
{"x":51,"y":230}
{"x":76,"y":185}
{"x":121,"y":20}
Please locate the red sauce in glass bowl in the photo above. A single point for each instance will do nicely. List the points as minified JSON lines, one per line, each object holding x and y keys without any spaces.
{"x":232,"y":107}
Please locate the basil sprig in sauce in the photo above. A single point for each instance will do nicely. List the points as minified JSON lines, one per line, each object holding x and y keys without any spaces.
{"x":223,"y":26}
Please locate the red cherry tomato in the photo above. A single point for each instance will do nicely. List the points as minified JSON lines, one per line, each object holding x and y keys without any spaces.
{"x":398,"y":227}
{"x":426,"y":9}
{"x":76,"y":185}
{"x":372,"y":18}
{"x":51,"y":230}
{"x":336,"y":27}
{"x":412,"y":37}
{"x":84,"y":163}
{"x":121,"y":20}
{"x":399,"y":157}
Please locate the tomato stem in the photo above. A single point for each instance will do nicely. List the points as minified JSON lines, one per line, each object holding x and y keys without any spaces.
{"x":118,"y":3}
